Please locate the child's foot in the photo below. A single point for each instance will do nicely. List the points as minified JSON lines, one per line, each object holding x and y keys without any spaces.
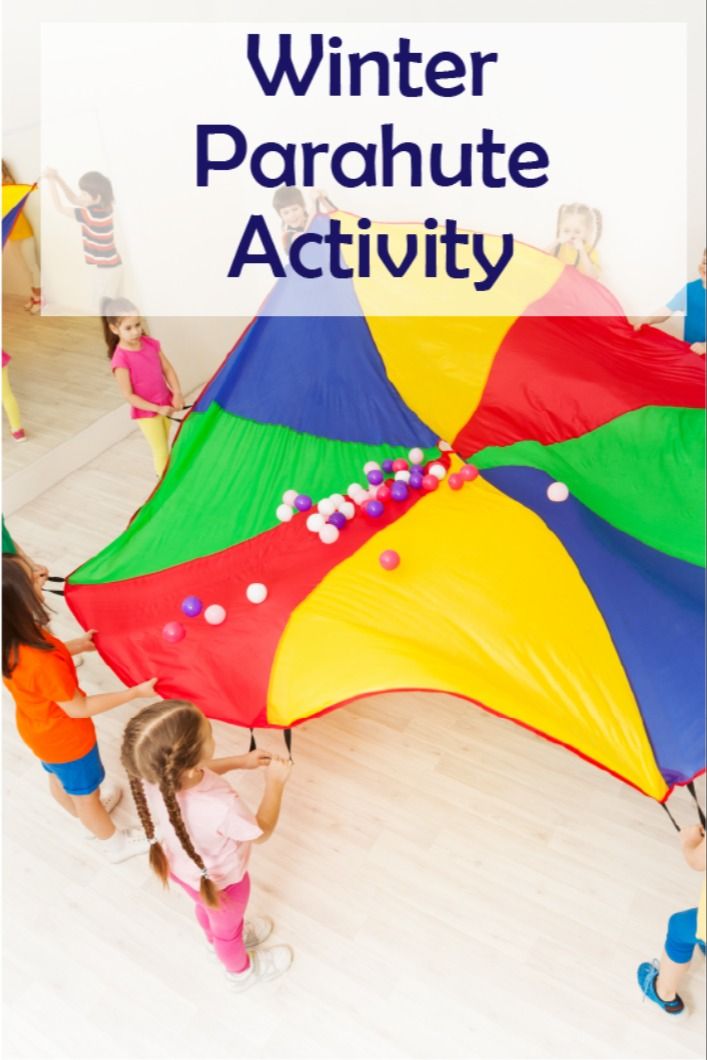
{"x":124,"y":844}
{"x":35,"y":305}
{"x":19,"y":435}
{"x":647,"y":975}
{"x":264,"y":966}
{"x":255,"y":932}
{"x":111,"y":794}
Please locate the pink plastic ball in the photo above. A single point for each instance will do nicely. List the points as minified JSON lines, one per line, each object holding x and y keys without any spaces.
{"x":469,"y":472}
{"x":389,"y":559}
{"x":173,"y":632}
{"x":400,"y":464}
{"x":383,"y":493}
{"x":430,"y":483}
{"x":455,"y":481}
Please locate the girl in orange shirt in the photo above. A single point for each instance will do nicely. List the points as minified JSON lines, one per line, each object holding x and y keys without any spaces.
{"x":53,"y":714}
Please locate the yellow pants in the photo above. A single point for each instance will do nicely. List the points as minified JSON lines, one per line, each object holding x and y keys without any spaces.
{"x":156,"y":430}
{"x":9,"y":402}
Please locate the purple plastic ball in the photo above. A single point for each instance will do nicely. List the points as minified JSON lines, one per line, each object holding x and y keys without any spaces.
{"x":375,"y":477}
{"x":192,"y":606}
{"x":399,"y":491}
{"x":303,"y":503}
{"x":416,"y":478}
{"x":387,"y":466}
{"x":374,"y":508}
{"x":338,"y":519}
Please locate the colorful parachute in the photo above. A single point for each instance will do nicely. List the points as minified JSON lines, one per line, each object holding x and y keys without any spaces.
{"x":14,"y":197}
{"x":581,"y":620}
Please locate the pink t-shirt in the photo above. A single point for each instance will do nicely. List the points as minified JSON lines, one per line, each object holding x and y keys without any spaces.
{"x":221,"y":828}
{"x":146,"y":376}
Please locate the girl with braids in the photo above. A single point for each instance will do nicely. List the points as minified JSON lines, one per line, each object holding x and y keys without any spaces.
{"x":579,"y":229}
{"x":200,"y":833}
{"x":54,"y":717}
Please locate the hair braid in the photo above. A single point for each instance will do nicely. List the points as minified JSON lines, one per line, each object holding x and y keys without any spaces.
{"x":158,"y":859}
{"x":598,"y":226}
{"x":207,"y":890}
{"x":161,"y":742}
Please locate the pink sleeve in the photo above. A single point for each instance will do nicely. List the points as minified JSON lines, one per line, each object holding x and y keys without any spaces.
{"x":239,"y":823}
{"x":152,"y":343}
{"x":118,"y":360}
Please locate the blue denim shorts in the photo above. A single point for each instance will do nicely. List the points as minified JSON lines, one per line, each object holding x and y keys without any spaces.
{"x":80,"y":777}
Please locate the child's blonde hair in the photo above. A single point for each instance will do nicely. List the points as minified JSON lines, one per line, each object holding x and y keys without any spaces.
{"x":160,"y":743}
{"x":590,"y":215}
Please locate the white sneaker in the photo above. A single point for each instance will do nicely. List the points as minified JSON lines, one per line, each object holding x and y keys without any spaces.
{"x":111,"y":794}
{"x":255,"y":932}
{"x":124,"y":844}
{"x":264,"y":966}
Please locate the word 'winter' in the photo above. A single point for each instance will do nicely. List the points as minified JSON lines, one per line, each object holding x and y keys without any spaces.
{"x":444,"y":74}
{"x":307,"y":259}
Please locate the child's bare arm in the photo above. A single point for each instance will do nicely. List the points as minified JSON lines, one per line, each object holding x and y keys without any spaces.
{"x":269,"y":809}
{"x":659,"y":318}
{"x":251,"y":760}
{"x":172,"y":382}
{"x":122,"y":378}
{"x":692,"y":841}
{"x":88,"y":706}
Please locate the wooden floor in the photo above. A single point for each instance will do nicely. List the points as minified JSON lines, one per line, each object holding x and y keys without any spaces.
{"x":452,"y":885}
{"x":60,"y":376}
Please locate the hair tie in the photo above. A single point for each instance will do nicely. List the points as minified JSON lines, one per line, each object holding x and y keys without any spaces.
{"x":205,"y":873}
{"x":154,"y":841}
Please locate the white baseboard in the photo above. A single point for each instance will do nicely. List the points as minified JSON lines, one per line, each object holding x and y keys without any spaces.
{"x":24,"y":485}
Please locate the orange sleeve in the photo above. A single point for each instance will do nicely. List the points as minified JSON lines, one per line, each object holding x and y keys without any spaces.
{"x":52,"y":676}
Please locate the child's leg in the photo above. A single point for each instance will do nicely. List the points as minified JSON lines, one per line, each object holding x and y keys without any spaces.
{"x":679,"y":946}
{"x":28,"y":249}
{"x":226,"y":924}
{"x":154,"y":430}
{"x":92,"y":815}
{"x":64,"y":800}
{"x":9,"y":402}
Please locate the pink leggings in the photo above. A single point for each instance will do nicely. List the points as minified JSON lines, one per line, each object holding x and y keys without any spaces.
{"x":224,"y":926}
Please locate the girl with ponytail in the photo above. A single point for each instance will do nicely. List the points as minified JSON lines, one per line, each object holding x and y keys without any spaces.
{"x":199,"y":831}
{"x":579,"y":229}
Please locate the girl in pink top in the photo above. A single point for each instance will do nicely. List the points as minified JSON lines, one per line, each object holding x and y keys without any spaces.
{"x":147,"y":380}
{"x":200,"y":832}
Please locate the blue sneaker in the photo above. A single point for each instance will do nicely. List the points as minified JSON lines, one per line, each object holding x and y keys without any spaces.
{"x":647,"y":975}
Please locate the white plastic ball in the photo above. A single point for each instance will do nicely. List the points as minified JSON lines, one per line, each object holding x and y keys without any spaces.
{"x":284,"y":513}
{"x":557,"y":491}
{"x":354,"y":488}
{"x":416,"y":456}
{"x":348,"y":509}
{"x":444,"y":447}
{"x":437,"y":470}
{"x":337,"y":499}
{"x":402,"y":476}
{"x":315,"y":522}
{"x":289,"y":497}
{"x":215,"y":614}
{"x":328,"y":534}
{"x":326,"y":508}
{"x":372,"y":465}
{"x":256,"y":592}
